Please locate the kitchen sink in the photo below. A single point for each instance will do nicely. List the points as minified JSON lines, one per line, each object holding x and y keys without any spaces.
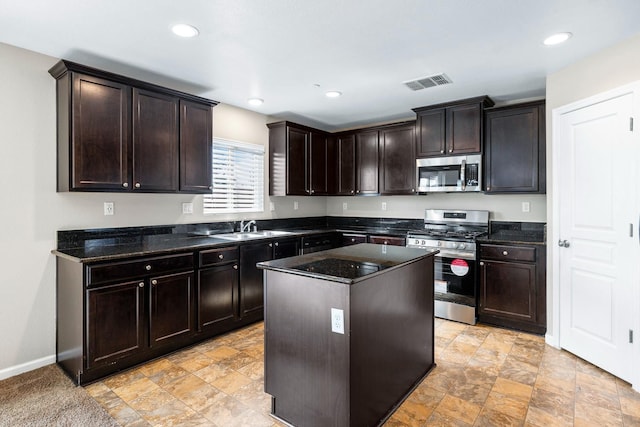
{"x":251,"y":235}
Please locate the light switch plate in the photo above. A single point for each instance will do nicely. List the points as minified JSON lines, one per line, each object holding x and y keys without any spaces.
{"x":526,"y":207}
{"x":337,"y":321}
{"x":272,"y":207}
{"x":295,"y":206}
{"x":384,"y":206}
{"x":344,"y":206}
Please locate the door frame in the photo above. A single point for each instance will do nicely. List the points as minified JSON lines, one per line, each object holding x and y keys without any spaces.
{"x":553,"y":253}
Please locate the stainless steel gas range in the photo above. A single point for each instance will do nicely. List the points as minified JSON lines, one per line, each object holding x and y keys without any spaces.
{"x":454,"y":233}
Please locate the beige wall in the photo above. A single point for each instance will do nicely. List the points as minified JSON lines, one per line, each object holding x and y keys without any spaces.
{"x":606,"y":70}
{"x":32,"y":211}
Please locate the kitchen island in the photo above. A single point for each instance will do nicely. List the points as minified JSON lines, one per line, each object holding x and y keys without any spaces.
{"x":348,"y":333}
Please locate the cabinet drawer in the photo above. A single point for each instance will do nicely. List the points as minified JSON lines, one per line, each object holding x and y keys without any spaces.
{"x":507,"y":253}
{"x":387,"y":240}
{"x":116,"y":271}
{"x":218,"y":256}
{"x":353,"y":239}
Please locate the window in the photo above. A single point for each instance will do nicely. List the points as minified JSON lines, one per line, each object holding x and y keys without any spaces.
{"x":238,"y":178}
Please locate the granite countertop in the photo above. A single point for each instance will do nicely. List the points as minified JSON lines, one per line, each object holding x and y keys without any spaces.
{"x":529,"y":233}
{"x":111,"y":249}
{"x":349,"y":264}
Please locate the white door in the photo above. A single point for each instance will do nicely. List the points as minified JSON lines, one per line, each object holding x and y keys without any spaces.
{"x":599,"y":251}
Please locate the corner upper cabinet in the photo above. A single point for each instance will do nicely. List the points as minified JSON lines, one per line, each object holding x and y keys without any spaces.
{"x":515,"y":149}
{"x":298,"y":158}
{"x":119,"y":134}
{"x":451,"y":128}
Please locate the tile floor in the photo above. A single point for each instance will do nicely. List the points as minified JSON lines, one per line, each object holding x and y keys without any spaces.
{"x":484,"y":376}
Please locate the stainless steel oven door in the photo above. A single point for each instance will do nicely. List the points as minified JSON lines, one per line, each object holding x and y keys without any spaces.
{"x":455,"y":279}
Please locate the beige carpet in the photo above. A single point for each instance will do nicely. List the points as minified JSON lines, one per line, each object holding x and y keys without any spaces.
{"x":47,"y":397}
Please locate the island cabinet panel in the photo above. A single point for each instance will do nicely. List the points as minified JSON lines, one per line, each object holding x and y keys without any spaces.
{"x":513,"y":286}
{"x":397,"y":159}
{"x":515,"y":153}
{"x":100,"y":140}
{"x":120,"y":134}
{"x":354,"y":371}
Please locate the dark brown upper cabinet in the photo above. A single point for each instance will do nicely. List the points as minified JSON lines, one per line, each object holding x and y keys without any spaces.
{"x":196,"y":128}
{"x":515,"y":149}
{"x":397,"y":159}
{"x":451,"y":128}
{"x":120,"y":134}
{"x":346,"y":164}
{"x":298,"y":160}
{"x":155,"y":142}
{"x":367,"y":163}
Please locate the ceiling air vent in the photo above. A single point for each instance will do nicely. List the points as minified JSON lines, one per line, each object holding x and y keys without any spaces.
{"x":430,"y":81}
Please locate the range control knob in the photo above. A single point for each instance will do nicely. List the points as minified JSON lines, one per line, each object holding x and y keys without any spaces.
{"x":462,"y":246}
{"x":439,"y":243}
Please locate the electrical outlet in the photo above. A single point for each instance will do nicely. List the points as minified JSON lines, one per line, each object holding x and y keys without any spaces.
{"x":384,"y":206}
{"x":272,"y":207}
{"x":295,"y":206}
{"x":526,"y":207}
{"x":187,"y":208}
{"x":337,"y":321}
{"x":109,"y":208}
{"x":344,"y":206}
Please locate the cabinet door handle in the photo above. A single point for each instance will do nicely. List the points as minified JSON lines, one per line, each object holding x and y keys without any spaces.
{"x":481,"y":263}
{"x":351,"y":191}
{"x":270,"y":245}
{"x":141,"y":285}
{"x":137,"y":185}
{"x":220,"y":256}
{"x":154,"y":282}
{"x":235,"y":267}
{"x":441,"y":151}
{"x":211,"y":187}
{"x":147,"y":267}
{"x":277,"y":244}
{"x":451,"y":150}
{"x":125,"y":184}
{"x":505,"y":253}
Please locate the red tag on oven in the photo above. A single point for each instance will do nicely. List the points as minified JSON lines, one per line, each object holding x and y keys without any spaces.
{"x":459,"y":267}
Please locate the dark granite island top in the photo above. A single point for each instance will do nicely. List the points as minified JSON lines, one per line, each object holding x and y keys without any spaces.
{"x":349,"y":264}
{"x":348,"y":333}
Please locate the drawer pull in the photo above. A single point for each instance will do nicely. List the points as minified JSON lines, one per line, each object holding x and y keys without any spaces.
{"x":141,"y":284}
{"x":221,"y":256}
{"x":147,"y":267}
{"x":154,"y":282}
{"x":235,"y":267}
{"x":505,"y":253}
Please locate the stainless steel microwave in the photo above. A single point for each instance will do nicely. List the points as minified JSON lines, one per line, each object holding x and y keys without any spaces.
{"x":449,"y":174}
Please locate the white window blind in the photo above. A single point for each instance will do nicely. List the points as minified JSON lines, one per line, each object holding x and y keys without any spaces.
{"x":238,"y":178}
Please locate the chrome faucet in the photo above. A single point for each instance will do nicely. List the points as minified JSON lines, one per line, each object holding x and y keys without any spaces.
{"x":247,"y":227}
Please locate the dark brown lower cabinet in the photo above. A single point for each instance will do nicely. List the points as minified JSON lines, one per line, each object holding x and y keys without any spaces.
{"x":217,"y":297}
{"x":387,"y":240}
{"x":170,"y":313}
{"x":115,"y":322}
{"x":513,"y":287}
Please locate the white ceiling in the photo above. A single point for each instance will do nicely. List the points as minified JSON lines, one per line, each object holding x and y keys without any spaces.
{"x":279,"y":50}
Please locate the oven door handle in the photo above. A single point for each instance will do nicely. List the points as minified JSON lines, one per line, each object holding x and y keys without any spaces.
{"x":464,"y":255}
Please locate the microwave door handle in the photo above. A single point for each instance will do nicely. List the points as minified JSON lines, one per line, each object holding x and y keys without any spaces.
{"x":463,"y":171}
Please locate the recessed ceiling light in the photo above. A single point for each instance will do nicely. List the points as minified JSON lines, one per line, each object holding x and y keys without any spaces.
{"x":255,"y":101}
{"x":557,"y":39}
{"x":185,"y":30}
{"x":333,"y":94}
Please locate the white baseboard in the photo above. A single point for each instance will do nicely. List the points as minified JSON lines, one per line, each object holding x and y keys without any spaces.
{"x":26,"y":367}
{"x":552,"y":340}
